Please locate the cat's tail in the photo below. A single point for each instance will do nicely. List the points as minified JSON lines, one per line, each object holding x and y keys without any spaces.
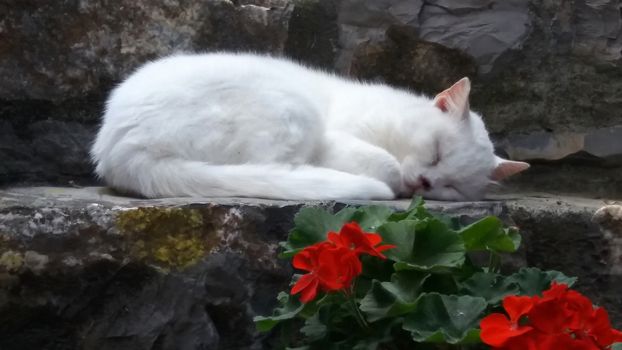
{"x":183,"y":178}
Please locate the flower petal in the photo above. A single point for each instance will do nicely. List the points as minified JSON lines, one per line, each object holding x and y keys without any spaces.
{"x":564,"y":341}
{"x":517,"y":306}
{"x":599,"y":327}
{"x":549,"y":316}
{"x":303,"y":282}
{"x":335,"y":238}
{"x":497,"y":330}
{"x":616,"y":335}
{"x":303,"y":261}
{"x":309,"y":293}
{"x":556,"y":291}
{"x":373,"y":238}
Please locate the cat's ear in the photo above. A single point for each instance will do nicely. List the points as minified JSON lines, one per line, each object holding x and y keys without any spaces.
{"x":455,"y":100}
{"x":506,"y":168}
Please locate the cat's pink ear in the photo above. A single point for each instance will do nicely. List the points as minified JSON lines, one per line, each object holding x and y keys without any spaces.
{"x":455,"y":100}
{"x":506,"y":168}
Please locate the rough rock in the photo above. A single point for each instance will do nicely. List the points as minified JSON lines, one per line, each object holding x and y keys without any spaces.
{"x":483,"y":29}
{"x":61,"y":50}
{"x":600,"y":143}
{"x":609,"y":218}
{"x":85,"y":268}
{"x":426,"y":67}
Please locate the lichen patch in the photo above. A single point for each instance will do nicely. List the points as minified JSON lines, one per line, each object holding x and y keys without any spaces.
{"x":168,"y":237}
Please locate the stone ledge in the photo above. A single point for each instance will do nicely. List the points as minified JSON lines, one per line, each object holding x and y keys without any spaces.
{"x":84,"y":268}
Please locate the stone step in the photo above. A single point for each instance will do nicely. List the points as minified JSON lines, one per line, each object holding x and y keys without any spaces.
{"x":85,"y":268}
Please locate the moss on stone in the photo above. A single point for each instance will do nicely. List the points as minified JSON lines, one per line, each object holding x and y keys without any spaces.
{"x":11,"y":261}
{"x":169,"y":237}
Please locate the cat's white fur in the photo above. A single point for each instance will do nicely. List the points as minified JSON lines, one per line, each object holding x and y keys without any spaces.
{"x":222,"y":125}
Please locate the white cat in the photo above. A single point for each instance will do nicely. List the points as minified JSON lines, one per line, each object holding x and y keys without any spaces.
{"x":223,"y":125}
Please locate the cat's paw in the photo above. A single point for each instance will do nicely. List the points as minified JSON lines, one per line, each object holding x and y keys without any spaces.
{"x":389,"y":171}
{"x":372,"y":189}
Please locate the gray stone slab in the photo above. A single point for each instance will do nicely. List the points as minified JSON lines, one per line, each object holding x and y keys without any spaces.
{"x":87,"y":268}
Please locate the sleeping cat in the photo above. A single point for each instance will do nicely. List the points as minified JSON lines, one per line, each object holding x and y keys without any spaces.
{"x":225,"y":125}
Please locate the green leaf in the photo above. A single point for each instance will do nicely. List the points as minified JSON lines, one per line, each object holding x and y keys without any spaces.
{"x":367,"y":344}
{"x":313,"y":328}
{"x":381,"y":332}
{"x":489,"y":234}
{"x":395,"y":298}
{"x":290,"y":308}
{"x":415,"y":211}
{"x":426,"y":245}
{"x":440,"y":283}
{"x":490,"y":286}
{"x":417,"y":204}
{"x":402,"y":235}
{"x":616,"y":346}
{"x":312,"y":224}
{"x":508,"y":242}
{"x":370,"y":217}
{"x":374,"y":268}
{"x":446,"y":318}
{"x":345,"y":215}
{"x":533,"y":281}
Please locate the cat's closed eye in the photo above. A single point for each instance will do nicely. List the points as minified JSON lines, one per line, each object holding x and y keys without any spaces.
{"x":437,"y":155}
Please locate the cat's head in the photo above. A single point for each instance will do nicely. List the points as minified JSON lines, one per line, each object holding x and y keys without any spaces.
{"x":454,"y":160}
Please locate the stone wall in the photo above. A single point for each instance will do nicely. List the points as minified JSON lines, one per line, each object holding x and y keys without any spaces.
{"x":547,"y":73}
{"x":85,"y":269}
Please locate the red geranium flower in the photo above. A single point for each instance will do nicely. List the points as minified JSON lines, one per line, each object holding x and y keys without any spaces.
{"x":560,"y":319}
{"x":333,"y":264}
{"x":351,"y":236}
{"x":566,"y":342}
{"x":330,"y":268}
{"x":497,"y":329}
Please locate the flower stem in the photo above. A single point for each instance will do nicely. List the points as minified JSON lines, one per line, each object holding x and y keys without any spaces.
{"x":359,"y":316}
{"x":360,"y":319}
{"x":494,"y":262}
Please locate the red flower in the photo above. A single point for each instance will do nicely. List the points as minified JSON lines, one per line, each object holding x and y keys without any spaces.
{"x":351,"y":236}
{"x":560,"y":319}
{"x":333,"y":264}
{"x":566,"y":342}
{"x":330,"y":268}
{"x":497,"y":329}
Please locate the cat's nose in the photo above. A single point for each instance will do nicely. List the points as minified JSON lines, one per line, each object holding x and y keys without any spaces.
{"x":422,"y":183}
{"x":427,"y":185}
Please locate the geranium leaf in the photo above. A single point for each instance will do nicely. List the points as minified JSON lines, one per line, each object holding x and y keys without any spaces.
{"x":508,"y":242}
{"x":381,"y":332}
{"x":390,"y":299}
{"x":441,"y":283}
{"x":415,"y":211}
{"x":489,"y":234}
{"x":313,"y":328}
{"x":367,"y":344}
{"x":374,"y":268}
{"x":402,"y":235}
{"x":370,"y":217}
{"x":416,"y":203}
{"x":426,"y":245}
{"x":311,"y":226}
{"x":290,"y":308}
{"x":489,"y":286}
{"x":532,"y":281}
{"x":446,"y":318}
